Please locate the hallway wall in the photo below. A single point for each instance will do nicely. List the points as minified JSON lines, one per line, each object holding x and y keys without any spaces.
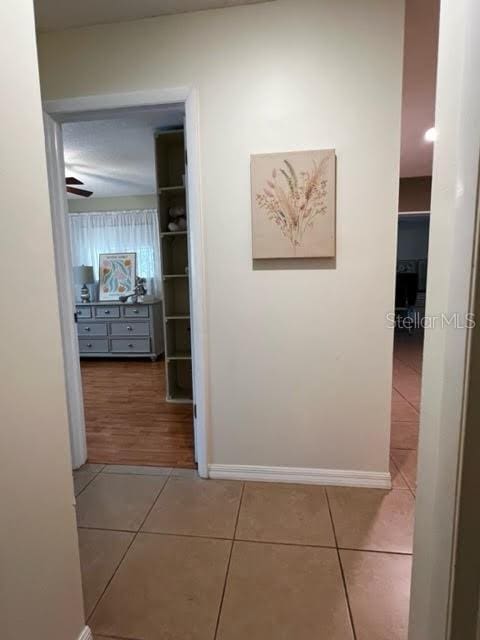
{"x":40,"y":588}
{"x":300,"y":352}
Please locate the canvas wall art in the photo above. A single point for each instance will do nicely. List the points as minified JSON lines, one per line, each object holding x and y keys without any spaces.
{"x":293,"y":204}
{"x":117,"y":275}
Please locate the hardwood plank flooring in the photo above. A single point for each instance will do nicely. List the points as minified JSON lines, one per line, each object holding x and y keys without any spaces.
{"x":128,"y":420}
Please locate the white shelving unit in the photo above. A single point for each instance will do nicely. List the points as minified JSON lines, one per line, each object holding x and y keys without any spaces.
{"x":170,"y":167}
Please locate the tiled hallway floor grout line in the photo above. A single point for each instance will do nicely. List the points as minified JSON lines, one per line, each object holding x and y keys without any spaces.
{"x":407,"y":488}
{"x":406,"y":400}
{"x":252,"y":540}
{"x":135,"y":534}
{"x":95,"y":474}
{"x":350,"y":615}
{"x":228,"y":563}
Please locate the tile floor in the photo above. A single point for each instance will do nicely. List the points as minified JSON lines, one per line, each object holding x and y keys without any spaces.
{"x":166,"y":555}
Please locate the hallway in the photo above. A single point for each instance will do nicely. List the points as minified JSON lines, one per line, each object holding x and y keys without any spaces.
{"x":167,"y":555}
{"x":407,"y":369}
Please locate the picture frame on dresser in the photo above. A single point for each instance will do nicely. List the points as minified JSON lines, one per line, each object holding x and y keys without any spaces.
{"x":116,"y":274}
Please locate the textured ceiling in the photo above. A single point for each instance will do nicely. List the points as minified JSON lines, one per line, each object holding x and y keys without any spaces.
{"x":53,"y":15}
{"x":419,"y":75}
{"x":116,"y":157}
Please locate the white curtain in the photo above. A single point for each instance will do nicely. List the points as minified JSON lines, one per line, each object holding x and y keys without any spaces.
{"x":136,"y":231}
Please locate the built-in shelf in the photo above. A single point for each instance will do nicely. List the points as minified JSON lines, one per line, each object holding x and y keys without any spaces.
{"x":171,"y":193}
{"x":175,"y":188}
{"x":172,"y":234}
{"x":180,"y":396}
{"x":180,"y":355}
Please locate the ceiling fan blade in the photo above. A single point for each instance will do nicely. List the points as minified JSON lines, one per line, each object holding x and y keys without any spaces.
{"x":79,"y":192}
{"x":71,"y":180}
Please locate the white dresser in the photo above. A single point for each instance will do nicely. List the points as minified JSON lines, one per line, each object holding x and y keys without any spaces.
{"x":116,"y":330}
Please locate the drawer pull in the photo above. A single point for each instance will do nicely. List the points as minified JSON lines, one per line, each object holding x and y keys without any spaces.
{"x":130,"y":345}
{"x":135,"y":311}
{"x":86,"y":329}
{"x":129,"y":328}
{"x":107,"y":312}
{"x":89,"y":345}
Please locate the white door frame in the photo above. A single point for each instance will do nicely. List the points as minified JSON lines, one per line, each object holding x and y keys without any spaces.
{"x":57,"y":112}
{"x":453,"y":260}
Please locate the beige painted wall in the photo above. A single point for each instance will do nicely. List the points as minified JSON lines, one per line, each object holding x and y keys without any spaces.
{"x":40,"y":589}
{"x":300,"y":355}
{"x":120,"y":203}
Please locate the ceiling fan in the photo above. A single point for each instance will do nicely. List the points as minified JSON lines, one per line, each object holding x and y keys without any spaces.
{"x":78,"y":192}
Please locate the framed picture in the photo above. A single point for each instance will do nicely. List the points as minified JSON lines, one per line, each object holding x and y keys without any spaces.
{"x":117,"y":273}
{"x":293,"y":204}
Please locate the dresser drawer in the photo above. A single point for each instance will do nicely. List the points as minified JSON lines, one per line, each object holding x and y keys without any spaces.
{"x":93,"y":346}
{"x":84,"y":312}
{"x":92,"y":328}
{"x":135,"y":345}
{"x":121,"y":328}
{"x":135,"y":311}
{"x":107,"y":312}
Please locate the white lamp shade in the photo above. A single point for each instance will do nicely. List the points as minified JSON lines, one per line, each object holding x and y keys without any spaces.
{"x":83,"y":275}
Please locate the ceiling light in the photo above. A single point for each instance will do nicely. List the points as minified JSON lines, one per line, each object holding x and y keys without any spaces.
{"x":430,"y":135}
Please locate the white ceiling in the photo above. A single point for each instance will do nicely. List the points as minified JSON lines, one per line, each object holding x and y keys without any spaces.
{"x":52,"y":15}
{"x":419,"y":74}
{"x":115,"y":157}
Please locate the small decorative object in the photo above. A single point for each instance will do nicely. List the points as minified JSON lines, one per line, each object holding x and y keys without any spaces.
{"x":138,"y":293}
{"x":83,"y":276}
{"x":117,"y":275}
{"x":293,"y":204}
{"x":140,"y":288}
{"x":178,"y":221}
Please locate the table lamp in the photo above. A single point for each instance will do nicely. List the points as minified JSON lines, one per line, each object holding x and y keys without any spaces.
{"x":82,"y":276}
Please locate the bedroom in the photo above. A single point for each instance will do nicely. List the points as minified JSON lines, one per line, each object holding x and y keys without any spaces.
{"x":125,"y":184}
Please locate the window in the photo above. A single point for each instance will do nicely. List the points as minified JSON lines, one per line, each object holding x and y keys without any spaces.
{"x":114,"y":232}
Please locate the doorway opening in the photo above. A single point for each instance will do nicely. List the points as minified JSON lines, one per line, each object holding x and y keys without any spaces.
{"x":123,"y":240}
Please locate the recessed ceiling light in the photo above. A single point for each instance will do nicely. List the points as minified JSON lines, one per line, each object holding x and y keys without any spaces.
{"x":430,"y":135}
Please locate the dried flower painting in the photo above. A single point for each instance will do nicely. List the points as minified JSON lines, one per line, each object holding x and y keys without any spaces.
{"x":293,"y":204}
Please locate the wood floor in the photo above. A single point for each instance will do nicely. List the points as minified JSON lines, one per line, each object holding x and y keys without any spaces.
{"x":127,"y":418}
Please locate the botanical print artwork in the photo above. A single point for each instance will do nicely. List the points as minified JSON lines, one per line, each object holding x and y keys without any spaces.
{"x":117,"y":275}
{"x":293,"y":204}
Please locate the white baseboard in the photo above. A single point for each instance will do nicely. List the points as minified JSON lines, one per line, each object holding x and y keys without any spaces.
{"x":337,"y":477}
{"x":86,"y":634}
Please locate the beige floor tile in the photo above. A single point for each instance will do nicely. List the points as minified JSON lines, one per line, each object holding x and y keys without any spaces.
{"x":409,"y":386}
{"x":404,"y":435}
{"x":184,"y":473}
{"x":396,"y":397}
{"x":372,"y":519}
{"x":289,"y":513}
{"x":403,"y":411}
{"x":406,"y":462}
{"x":378,"y":586}
{"x":81,"y":479}
{"x":196,"y":507}
{"x":100,"y":554}
{"x":92,"y":467}
{"x":166,"y":587}
{"x":398,"y":481}
{"x":284,"y":592}
{"x":140,"y":471}
{"x":114,"y":501}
